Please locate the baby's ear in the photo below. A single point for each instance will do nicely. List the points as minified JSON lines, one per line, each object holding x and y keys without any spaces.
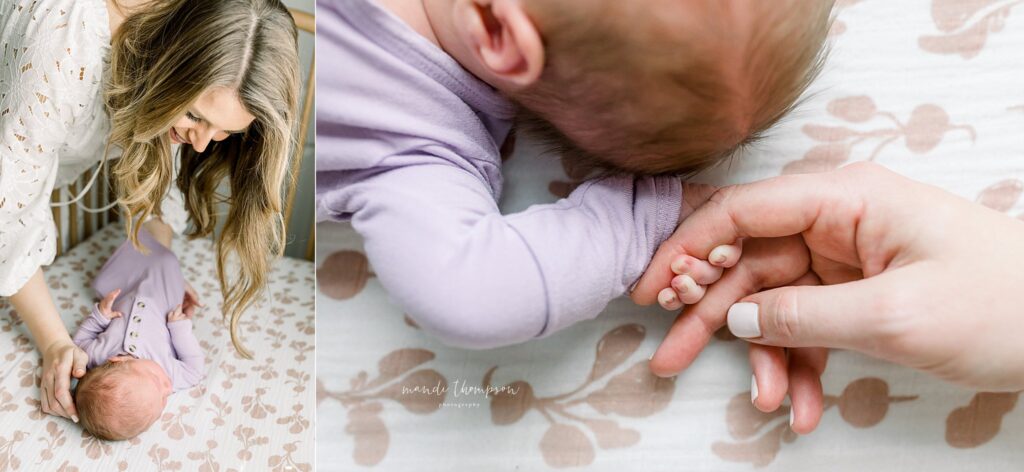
{"x":503,"y":38}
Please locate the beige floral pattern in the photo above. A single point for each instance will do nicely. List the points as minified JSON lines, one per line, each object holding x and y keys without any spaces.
{"x":363,"y":399}
{"x":632,"y":393}
{"x":965,"y":25}
{"x":862,"y":404}
{"x":239,"y":418}
{"x":921,"y":133}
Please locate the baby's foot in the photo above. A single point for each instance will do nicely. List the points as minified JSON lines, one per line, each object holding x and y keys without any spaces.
{"x":693,"y":275}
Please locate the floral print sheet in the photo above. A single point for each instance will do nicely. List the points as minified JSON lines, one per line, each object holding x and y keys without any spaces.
{"x":929,"y":88}
{"x":246,"y":415}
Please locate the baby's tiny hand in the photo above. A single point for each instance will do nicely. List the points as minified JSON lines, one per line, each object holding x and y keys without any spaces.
{"x":106,"y":306}
{"x":694,"y":275}
{"x":177,"y":314}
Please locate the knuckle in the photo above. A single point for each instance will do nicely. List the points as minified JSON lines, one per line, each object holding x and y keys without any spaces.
{"x":786,"y":322}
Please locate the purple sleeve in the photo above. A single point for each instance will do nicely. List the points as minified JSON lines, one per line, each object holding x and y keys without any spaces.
{"x":190,"y":367}
{"x":91,"y":327}
{"x":479,"y":279}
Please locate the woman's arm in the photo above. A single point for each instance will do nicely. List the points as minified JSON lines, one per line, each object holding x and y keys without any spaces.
{"x":61,"y":358}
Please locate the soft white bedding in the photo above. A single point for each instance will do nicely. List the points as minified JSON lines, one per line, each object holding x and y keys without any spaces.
{"x":245,"y":415}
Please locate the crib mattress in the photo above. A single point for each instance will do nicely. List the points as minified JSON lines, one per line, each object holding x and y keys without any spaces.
{"x":930,"y":89}
{"x":245,"y":415}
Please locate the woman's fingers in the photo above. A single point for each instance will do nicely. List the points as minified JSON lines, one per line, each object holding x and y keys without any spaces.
{"x":81,"y":361}
{"x":44,"y":397}
{"x":62,"y":386}
{"x":766,"y":263}
{"x":805,"y":395}
{"x":770,"y":380}
{"x":847,"y":316}
{"x":693,"y":328}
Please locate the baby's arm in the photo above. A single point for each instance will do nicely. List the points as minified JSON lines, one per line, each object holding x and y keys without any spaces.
{"x":480,"y":279}
{"x":191,"y":362}
{"x":96,"y":323}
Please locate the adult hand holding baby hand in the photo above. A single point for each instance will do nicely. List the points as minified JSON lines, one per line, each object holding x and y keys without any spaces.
{"x":911,"y":274}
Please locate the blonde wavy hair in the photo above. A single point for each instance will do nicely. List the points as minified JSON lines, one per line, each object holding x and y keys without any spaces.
{"x":164,"y":56}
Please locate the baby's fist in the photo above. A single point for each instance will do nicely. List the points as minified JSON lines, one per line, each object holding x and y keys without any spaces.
{"x":692,"y":275}
{"x":177,"y":314}
{"x":106,"y":306}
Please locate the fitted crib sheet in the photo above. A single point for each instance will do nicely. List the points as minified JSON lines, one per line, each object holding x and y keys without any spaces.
{"x":245,"y":415}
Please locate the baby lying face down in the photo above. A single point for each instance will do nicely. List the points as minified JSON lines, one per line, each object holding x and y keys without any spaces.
{"x":140,"y":343}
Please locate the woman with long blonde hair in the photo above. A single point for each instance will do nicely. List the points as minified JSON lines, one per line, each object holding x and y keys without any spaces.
{"x":192,"y":93}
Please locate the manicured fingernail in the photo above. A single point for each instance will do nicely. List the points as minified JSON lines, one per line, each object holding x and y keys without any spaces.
{"x":74,"y":418}
{"x":742,"y":320}
{"x":792,"y":416}
{"x":718,"y":255}
{"x":753,"y":389}
{"x":651,"y":357}
{"x":667,"y":297}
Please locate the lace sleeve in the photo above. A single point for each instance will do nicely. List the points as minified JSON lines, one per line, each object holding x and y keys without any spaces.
{"x":44,"y":88}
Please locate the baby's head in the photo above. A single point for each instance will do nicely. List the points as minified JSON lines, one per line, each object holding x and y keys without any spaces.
{"x":647,"y":86}
{"x":122,"y":398}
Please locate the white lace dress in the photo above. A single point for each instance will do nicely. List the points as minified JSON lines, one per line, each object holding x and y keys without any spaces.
{"x":53,"y":125}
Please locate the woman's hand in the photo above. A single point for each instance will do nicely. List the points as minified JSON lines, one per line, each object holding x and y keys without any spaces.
{"x":61,"y":360}
{"x":911,"y":274}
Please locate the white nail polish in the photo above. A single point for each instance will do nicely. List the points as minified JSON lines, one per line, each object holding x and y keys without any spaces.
{"x":753,"y":389}
{"x":792,"y":416}
{"x":743,"y":321}
{"x":651,"y":357}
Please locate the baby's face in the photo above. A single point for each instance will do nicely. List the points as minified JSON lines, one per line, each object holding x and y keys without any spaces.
{"x":152,"y":381}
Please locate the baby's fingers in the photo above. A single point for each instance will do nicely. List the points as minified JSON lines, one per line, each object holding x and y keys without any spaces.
{"x":700,"y":271}
{"x":687,"y":289}
{"x":108,"y":301}
{"x":805,"y":394}
{"x":727,"y":255}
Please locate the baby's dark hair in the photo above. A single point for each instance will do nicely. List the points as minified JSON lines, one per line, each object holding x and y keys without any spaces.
{"x":106,"y":406}
{"x":675,"y":96}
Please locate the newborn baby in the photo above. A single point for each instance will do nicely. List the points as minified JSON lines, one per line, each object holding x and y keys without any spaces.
{"x":139,"y":341}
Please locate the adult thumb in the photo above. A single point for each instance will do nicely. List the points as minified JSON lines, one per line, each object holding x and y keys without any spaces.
{"x":844,"y":316}
{"x":81,"y":360}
